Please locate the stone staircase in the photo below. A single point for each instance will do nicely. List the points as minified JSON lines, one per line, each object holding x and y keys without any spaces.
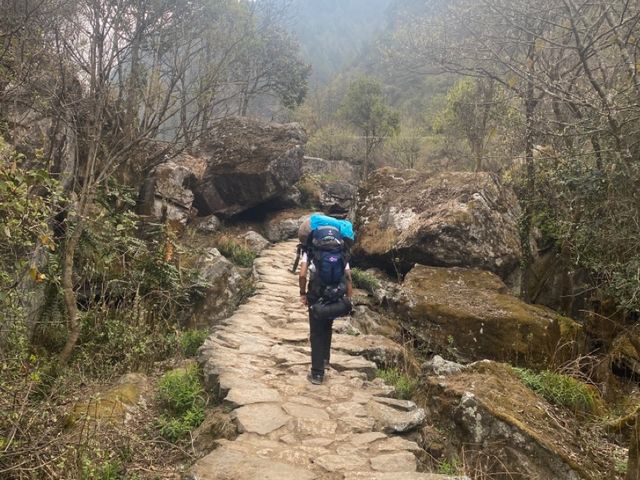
{"x":345,"y":429}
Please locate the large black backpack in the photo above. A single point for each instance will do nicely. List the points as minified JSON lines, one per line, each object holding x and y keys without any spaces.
{"x":326,"y":251}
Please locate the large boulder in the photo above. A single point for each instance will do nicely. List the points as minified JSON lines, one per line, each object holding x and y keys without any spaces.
{"x":283,"y":225}
{"x":333,"y":197}
{"x":469,"y":314}
{"x":167,"y":193}
{"x":330,"y":169}
{"x":501,"y":426}
{"x":250,"y":162}
{"x":224,"y":285}
{"x":447,"y":219}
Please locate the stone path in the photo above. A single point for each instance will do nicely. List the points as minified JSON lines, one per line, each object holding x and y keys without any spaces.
{"x":258,"y":359}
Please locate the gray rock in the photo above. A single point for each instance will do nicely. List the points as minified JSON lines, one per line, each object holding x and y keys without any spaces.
{"x":167,"y":191}
{"x":439,"y":366}
{"x":402,"y":405}
{"x":209,"y":224}
{"x":254,"y":241}
{"x":282,"y":228}
{"x":337,"y":198}
{"x":391,"y":420}
{"x":220,"y":297}
{"x":249,"y":162}
{"x":448,"y":219}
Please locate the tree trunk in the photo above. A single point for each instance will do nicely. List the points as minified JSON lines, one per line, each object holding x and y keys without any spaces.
{"x":633,"y":464}
{"x":69,"y":293}
{"x":525,"y":229}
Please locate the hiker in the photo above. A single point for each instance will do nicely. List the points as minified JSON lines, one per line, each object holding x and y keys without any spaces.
{"x":325,"y":261}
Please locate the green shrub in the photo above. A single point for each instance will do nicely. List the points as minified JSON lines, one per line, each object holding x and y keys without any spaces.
{"x":560,"y":389}
{"x":364,"y":280}
{"x":404,"y":386}
{"x":449,"y":467}
{"x":191,"y":341}
{"x":236,"y":252}
{"x":180,"y":390}
{"x":182,"y":395}
{"x":176,"y":428}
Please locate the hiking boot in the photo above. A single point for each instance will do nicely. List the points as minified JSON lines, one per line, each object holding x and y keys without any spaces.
{"x":315,"y":378}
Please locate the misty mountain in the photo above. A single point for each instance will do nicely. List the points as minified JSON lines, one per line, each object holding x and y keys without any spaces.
{"x":333,"y":33}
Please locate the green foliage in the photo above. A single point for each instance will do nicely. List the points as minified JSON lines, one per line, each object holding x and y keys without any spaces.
{"x":236,"y":252}
{"x":404,"y":385}
{"x":182,"y":395}
{"x":334,"y":142}
{"x":406,"y":149}
{"x":449,"y":467}
{"x":107,"y":470}
{"x":180,"y":390}
{"x":365,"y":108}
{"x":560,"y":389}
{"x":364,"y":280}
{"x":191,"y":341}
{"x":621,"y":467}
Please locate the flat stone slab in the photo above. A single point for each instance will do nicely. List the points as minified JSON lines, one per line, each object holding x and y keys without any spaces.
{"x":305,"y":411}
{"x":260,"y":418}
{"x":240,"y":396}
{"x":342,"y":463}
{"x":366,"y":438}
{"x":399,"y":476}
{"x":394,"y":462}
{"x":226,"y":464}
{"x":314,"y":428}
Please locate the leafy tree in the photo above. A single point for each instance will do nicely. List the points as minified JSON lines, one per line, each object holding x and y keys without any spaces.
{"x":365,"y":108}
{"x":472,"y":112}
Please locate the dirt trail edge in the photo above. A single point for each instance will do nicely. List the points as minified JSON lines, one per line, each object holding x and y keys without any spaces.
{"x":258,"y":359}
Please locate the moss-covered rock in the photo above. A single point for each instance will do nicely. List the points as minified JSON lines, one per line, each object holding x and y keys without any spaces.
{"x":447,"y":219}
{"x":501,"y":424}
{"x":470,"y":313}
{"x":111,"y":405}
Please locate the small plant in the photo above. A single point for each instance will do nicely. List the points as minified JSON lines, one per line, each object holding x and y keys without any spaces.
{"x":182,"y":395}
{"x":560,"y":389}
{"x":236,"y":252}
{"x":364,"y":280}
{"x":191,"y":340}
{"x":449,"y":467}
{"x":621,"y":467}
{"x":404,"y":386}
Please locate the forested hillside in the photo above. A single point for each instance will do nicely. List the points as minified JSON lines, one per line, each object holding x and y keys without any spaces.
{"x":487,"y":153}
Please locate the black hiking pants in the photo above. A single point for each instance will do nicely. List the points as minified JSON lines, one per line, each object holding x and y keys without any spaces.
{"x":321,"y":331}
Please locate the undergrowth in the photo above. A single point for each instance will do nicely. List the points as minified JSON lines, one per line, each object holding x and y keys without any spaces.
{"x":560,"y":389}
{"x":364,"y":280}
{"x":404,"y":385}
{"x":236,"y":252}
{"x":182,"y":395}
{"x":191,"y":340}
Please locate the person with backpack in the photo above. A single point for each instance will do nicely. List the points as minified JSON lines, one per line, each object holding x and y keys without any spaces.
{"x":325,"y":261}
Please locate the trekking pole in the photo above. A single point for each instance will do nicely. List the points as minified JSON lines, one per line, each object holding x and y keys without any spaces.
{"x":297,"y":260}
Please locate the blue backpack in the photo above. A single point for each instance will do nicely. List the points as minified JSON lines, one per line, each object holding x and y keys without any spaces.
{"x":326,"y":253}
